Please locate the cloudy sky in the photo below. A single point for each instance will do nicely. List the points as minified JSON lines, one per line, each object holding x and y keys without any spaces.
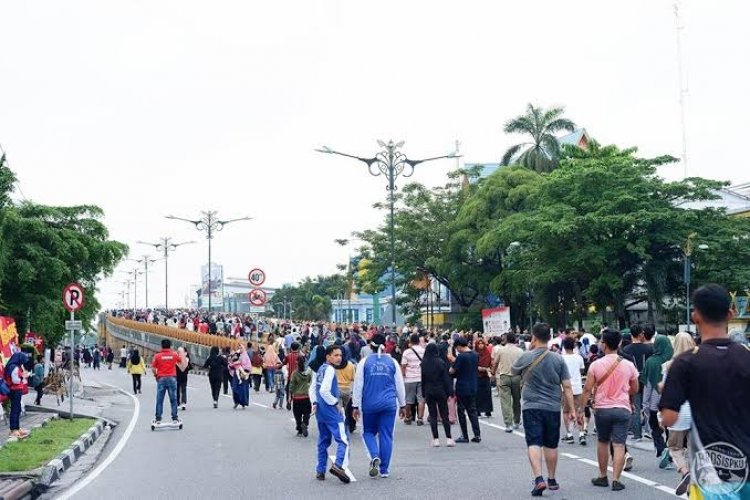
{"x":150,"y":108}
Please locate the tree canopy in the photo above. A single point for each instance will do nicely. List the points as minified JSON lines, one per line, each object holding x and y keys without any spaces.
{"x":42,"y":248}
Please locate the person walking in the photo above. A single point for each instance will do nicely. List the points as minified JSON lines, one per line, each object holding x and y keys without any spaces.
{"x":410,"y":363}
{"x":640,"y":349}
{"x":270,"y":360}
{"x":37,"y":379}
{"x":720,"y":411}
{"x":610,"y":382}
{"x":677,"y":442}
{"x":575,"y":365}
{"x":542,"y":373}
{"x":345,"y":377}
{"x":226,"y":376}
{"x":182,"y":379}
{"x":378,"y":393}
{"x":652,"y":373}
{"x":123,"y":356}
{"x":217,"y":365}
{"x":16,"y":378}
{"x":324,"y":395}
{"x":136,"y":368}
{"x":299,"y":395}
{"x":96,"y":358}
{"x":239,"y":370}
{"x":510,"y":384}
{"x":466,"y":369}
{"x":437,"y":387}
{"x":484,"y":386}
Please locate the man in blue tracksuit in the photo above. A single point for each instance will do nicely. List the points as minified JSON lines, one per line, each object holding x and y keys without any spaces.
{"x":324,"y":395}
{"x":379,"y":392}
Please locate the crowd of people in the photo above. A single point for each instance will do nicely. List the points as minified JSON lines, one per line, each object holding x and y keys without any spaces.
{"x":559,"y":387}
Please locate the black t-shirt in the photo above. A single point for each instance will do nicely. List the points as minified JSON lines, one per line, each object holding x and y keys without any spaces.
{"x":716,"y":382}
{"x":639,"y":353}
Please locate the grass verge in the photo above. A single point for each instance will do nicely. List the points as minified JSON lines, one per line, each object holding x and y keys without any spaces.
{"x":42,"y":445}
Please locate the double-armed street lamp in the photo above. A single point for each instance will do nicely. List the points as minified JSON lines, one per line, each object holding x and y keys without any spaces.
{"x":391,"y":163}
{"x":165,"y":245}
{"x":146,"y":260}
{"x":134,"y":273}
{"x":209,"y":223}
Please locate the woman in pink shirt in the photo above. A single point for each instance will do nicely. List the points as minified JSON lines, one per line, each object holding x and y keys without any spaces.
{"x":611,"y":381}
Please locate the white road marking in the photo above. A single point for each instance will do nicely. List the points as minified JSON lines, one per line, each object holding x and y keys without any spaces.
{"x":116,"y":451}
{"x":629,"y":475}
{"x":346,"y":469}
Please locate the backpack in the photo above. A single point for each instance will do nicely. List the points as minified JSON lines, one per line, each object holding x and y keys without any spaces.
{"x":4,"y":387}
{"x":257,"y":359}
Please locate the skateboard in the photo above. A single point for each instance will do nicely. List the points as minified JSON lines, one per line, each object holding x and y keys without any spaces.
{"x":166,"y":424}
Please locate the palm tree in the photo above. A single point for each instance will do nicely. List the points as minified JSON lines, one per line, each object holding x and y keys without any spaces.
{"x":543,"y":152}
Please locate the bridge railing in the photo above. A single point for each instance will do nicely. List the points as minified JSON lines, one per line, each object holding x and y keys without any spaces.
{"x":148,"y":336}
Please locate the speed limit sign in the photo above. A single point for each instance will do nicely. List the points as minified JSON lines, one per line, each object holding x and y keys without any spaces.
{"x":256,"y":277}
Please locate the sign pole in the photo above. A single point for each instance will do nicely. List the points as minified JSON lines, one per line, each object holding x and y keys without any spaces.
{"x":72,"y":362}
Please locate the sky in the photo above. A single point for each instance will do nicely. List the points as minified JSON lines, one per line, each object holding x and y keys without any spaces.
{"x":151,"y":108}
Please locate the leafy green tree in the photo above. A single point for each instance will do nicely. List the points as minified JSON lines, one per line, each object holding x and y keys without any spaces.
{"x":542,"y":153}
{"x":42,"y":248}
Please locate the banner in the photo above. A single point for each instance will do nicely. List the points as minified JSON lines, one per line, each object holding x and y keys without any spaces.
{"x":217,"y":280}
{"x":8,"y":338}
{"x":496,"y":321}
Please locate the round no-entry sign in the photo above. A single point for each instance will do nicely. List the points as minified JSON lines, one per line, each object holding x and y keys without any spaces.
{"x":257,"y":297}
{"x":73,"y":297}
{"x":256,"y":277}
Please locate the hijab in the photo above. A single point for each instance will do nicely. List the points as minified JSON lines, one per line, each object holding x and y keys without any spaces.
{"x":662,"y":353}
{"x":485,"y":354}
{"x":433,"y":367}
{"x":17,"y":360}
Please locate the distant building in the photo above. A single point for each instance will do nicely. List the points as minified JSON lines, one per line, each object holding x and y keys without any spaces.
{"x":735,"y":200}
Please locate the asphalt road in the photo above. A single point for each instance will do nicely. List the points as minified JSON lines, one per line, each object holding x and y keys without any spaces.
{"x":226,"y":453}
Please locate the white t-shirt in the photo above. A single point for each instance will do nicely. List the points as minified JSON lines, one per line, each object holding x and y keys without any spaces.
{"x":575,"y":365}
{"x":411,"y":360}
{"x":123,"y":352}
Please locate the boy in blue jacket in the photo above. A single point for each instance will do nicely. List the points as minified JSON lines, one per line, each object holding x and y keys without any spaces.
{"x":324,"y":395}
{"x":379,"y":392}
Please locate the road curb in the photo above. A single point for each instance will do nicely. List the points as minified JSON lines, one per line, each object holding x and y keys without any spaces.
{"x":54,"y":469}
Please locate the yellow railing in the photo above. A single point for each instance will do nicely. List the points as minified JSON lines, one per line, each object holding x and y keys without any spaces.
{"x":177,"y":333}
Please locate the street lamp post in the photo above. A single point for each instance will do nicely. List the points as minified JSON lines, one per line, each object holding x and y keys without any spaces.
{"x":146,"y":260}
{"x":134,"y":273}
{"x":209,"y":223}
{"x":166,"y":245}
{"x":391,"y":163}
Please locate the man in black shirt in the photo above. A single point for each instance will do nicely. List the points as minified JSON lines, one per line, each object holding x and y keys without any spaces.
{"x":715,"y":379}
{"x":466,"y":370}
{"x":638,"y":352}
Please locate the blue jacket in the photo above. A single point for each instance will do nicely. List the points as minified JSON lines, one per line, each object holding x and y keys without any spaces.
{"x":324,"y":392}
{"x":378,"y":384}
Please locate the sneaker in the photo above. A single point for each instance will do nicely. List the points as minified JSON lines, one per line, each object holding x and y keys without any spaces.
{"x":476,"y":439}
{"x":628,"y":462}
{"x":539,"y":487}
{"x":304,"y":431}
{"x":320,"y":476}
{"x":617,"y":486}
{"x":274,"y":405}
{"x":374,"y":467}
{"x":235,"y":406}
{"x":516,"y":427}
{"x":552,"y":484}
{"x":462,"y":439}
{"x":385,"y":474}
{"x":509,"y":429}
{"x":176,"y":421}
{"x":569,"y":439}
{"x":450,"y":443}
{"x":664,"y":459}
{"x":216,"y":404}
{"x":420,"y":422}
{"x":600,"y":481}
{"x":582,"y":440}
{"x":299,"y":434}
{"x":647,"y":435}
{"x":683,"y":485}
{"x":339,"y":473}
{"x":436,"y":443}
{"x":407,"y":421}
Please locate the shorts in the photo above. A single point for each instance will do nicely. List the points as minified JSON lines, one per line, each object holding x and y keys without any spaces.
{"x":612,"y":425}
{"x":413,"y":392}
{"x":542,"y":428}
